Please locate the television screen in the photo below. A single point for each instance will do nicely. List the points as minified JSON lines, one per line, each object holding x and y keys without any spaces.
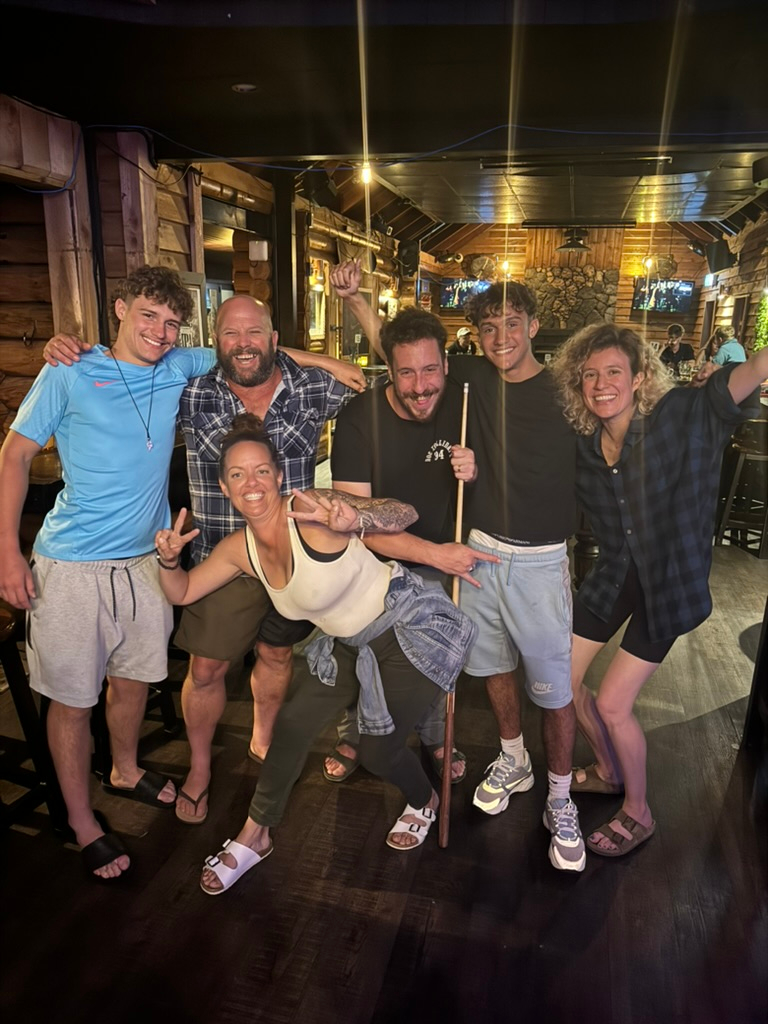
{"x":657,"y":295}
{"x":454,"y":291}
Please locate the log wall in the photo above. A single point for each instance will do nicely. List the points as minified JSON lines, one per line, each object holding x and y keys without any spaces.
{"x":26,"y":309}
{"x":46,"y":278}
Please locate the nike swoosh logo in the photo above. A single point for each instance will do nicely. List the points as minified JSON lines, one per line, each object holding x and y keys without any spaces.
{"x":103,"y":383}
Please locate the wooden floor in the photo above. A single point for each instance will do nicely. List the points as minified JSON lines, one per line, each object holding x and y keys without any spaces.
{"x":336,"y":927}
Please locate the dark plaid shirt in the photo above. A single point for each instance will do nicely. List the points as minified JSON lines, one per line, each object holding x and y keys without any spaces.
{"x":657,"y":506}
{"x":300,"y":407}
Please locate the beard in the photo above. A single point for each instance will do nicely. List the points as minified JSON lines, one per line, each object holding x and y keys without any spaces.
{"x":408,"y":400}
{"x":257,"y":372}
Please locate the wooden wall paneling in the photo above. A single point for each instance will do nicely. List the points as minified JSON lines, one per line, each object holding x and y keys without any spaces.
{"x":25,"y":147}
{"x":33,"y":319}
{"x":195,"y":216}
{"x":171,"y":206}
{"x":138,"y":187}
{"x":70,"y":253}
{"x":21,"y":284}
{"x":23,"y":243}
{"x":21,"y":358}
{"x":35,"y":148}
{"x":13,"y":390}
{"x":11,"y":156}
{"x":17,"y":207}
{"x":261,"y":194}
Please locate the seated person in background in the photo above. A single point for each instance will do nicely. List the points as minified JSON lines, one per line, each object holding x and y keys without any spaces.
{"x":676,"y":351}
{"x":113,"y":415}
{"x":380,"y":622}
{"x":463,"y":346}
{"x":709,"y":351}
{"x":730,"y":350}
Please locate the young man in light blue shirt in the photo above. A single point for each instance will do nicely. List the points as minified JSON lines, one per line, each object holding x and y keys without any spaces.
{"x":113,"y":414}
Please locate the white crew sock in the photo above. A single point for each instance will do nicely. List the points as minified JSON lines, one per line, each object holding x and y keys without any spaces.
{"x":514,"y":748}
{"x":559,"y":786}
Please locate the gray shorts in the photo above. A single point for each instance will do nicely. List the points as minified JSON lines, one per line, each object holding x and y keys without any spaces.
{"x":96,"y":619}
{"x":523,"y":610}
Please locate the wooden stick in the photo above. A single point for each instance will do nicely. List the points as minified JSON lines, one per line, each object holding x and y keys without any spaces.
{"x":450,"y":698}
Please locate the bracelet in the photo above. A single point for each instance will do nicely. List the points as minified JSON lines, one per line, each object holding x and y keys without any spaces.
{"x":164,"y":565}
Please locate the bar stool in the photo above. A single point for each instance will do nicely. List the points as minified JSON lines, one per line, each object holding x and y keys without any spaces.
{"x":745,"y":514}
{"x":39,"y":781}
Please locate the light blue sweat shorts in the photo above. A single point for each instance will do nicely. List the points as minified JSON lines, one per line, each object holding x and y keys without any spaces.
{"x":523,"y":610}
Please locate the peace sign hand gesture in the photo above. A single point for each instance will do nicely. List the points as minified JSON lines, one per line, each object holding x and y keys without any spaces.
{"x":170,"y":543}
{"x":334,"y":513}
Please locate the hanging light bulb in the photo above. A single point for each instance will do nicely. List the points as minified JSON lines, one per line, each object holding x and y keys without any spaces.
{"x":365,"y":175}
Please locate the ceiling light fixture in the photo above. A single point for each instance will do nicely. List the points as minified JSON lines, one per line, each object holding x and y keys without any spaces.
{"x":574,"y":241}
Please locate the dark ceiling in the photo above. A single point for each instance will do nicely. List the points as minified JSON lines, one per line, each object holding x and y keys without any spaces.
{"x":623,"y":111}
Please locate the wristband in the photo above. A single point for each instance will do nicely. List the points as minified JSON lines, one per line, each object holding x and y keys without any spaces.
{"x":164,"y":565}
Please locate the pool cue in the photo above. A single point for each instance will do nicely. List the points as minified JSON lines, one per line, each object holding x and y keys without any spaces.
{"x":450,"y":698}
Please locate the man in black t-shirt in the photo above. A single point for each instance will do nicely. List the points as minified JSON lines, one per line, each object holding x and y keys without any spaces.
{"x":401,"y":441}
{"x":521,"y":509}
{"x":676,"y":350}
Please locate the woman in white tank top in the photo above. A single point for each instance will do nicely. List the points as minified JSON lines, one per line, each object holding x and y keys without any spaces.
{"x":313,"y":566}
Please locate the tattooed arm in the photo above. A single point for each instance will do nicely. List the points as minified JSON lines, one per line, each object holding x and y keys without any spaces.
{"x":350,"y":513}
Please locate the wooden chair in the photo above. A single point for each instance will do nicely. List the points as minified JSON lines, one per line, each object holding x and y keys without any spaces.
{"x":745,"y":515}
{"x":39,"y":781}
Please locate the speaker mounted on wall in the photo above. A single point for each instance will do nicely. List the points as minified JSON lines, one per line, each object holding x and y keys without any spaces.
{"x":719,"y":256}
{"x":408,"y":255}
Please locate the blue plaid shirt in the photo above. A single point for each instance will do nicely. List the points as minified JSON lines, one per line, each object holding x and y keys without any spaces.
{"x":657,"y":506}
{"x":303,"y":402}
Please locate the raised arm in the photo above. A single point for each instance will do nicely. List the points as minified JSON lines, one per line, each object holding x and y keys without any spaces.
{"x":747,"y":376}
{"x":345,"y":279}
{"x":16,"y":586}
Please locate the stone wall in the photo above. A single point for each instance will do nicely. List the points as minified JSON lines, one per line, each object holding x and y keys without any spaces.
{"x":570,"y":297}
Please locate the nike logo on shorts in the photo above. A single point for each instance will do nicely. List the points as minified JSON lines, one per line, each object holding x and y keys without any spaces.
{"x":542,"y":687}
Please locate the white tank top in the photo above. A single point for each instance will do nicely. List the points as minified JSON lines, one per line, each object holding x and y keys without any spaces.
{"x":341,"y":597}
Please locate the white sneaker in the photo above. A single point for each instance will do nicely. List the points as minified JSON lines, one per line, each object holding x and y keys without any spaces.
{"x":566,"y":850}
{"x":504,"y":776}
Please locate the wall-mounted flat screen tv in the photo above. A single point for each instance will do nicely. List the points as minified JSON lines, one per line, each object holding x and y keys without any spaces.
{"x":454,"y":291}
{"x":663,"y":295}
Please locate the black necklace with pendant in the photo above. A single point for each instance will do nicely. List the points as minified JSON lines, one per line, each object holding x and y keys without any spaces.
{"x":144,"y":423}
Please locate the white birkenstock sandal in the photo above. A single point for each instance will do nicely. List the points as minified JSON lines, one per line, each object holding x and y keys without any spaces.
{"x":245,"y":859}
{"x":413,"y":829}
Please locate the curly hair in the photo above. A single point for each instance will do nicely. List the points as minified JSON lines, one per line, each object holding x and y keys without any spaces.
{"x":246,"y":427}
{"x":494,"y":300}
{"x":569,"y":361}
{"x":160,"y":284}
{"x":409,"y":326}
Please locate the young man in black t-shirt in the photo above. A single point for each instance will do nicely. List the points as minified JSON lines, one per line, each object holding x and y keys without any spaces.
{"x":522,"y":509}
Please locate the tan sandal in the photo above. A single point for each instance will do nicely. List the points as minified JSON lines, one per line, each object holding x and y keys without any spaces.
{"x":587,"y":780}
{"x":624,"y":832}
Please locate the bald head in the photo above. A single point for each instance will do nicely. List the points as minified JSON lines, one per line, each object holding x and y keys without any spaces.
{"x":244,"y":304}
{"x":246,"y":342}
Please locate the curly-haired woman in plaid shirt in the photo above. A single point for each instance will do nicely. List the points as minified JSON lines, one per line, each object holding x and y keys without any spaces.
{"x":648,"y":468}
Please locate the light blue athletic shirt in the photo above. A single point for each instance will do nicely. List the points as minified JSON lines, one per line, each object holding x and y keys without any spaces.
{"x":115,"y":496}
